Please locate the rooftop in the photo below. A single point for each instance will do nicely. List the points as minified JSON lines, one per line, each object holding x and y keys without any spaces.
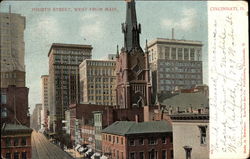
{"x":76,"y":46}
{"x":132,"y":127}
{"x":174,"y":41}
{"x":190,"y":117}
{"x":195,"y":100}
{"x":6,"y":128}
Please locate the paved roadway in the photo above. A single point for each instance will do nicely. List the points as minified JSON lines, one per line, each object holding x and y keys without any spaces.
{"x":43,"y":149}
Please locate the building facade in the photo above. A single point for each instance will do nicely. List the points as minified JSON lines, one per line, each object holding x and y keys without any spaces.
{"x":132,"y":65}
{"x":175,"y":64}
{"x":45,"y":101}
{"x":16,"y":141}
{"x":14,"y":105}
{"x":191,"y":136}
{"x":98,"y":82}
{"x":36,"y":117}
{"x":12,"y":49}
{"x":133,"y":140}
{"x":64,"y":60}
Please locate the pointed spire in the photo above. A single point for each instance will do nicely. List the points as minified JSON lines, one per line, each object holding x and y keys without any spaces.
{"x":130,"y":28}
{"x":117,"y":51}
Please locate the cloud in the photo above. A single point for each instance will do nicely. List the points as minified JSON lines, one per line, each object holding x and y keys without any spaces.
{"x":186,"y":21}
{"x":92,"y":27}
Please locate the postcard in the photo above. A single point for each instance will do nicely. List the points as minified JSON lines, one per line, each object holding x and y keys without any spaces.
{"x":127,"y":79}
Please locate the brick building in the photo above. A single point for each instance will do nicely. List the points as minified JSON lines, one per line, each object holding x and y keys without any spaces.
{"x":99,"y":116}
{"x":64,"y":60}
{"x":15,"y":141}
{"x":138,"y":140}
{"x":14,"y":99}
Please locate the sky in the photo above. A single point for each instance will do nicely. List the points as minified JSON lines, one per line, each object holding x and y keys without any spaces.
{"x":101,"y":29}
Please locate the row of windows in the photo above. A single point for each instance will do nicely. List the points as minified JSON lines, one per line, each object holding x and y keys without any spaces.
{"x":98,"y":63}
{"x":183,"y":64}
{"x":16,"y":155}
{"x":180,"y":69}
{"x":182,"y":75}
{"x":8,"y":75}
{"x":100,"y":86}
{"x":99,"y":91}
{"x":101,"y":79}
{"x":100,"y":72}
{"x":180,"y":82}
{"x":15,"y":141}
{"x":66,"y":51}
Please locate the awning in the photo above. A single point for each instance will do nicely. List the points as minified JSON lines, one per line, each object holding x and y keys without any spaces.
{"x":104,"y":157}
{"x":95,"y":155}
{"x":77,"y":147}
{"x":89,"y":150}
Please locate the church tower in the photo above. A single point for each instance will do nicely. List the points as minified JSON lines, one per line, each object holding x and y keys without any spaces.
{"x":132,"y":66}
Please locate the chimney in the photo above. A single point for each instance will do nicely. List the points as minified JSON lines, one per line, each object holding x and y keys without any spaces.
{"x":172,"y":33}
{"x":136,"y":118}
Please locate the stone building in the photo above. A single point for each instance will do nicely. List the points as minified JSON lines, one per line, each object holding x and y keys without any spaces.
{"x":191,"y":136}
{"x":98,"y":82}
{"x":16,"y":141}
{"x":36,"y":117}
{"x":132,"y":65}
{"x":12,"y":28}
{"x":14,"y":105}
{"x":138,"y":140}
{"x":45,"y":101}
{"x":64,"y":60}
{"x":175,"y":64}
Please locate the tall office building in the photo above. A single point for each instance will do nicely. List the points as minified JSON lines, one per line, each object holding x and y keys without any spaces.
{"x":64,"y":60}
{"x":12,"y":28}
{"x":45,"y":101}
{"x":98,"y":82}
{"x":175,"y":64}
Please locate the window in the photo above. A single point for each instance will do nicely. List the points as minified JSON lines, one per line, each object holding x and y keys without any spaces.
{"x":117,"y":154}
{"x":141,"y":141}
{"x":152,"y":141}
{"x":7,"y":142}
{"x":117,"y":140}
{"x":132,"y":155}
{"x":172,"y":154}
{"x":179,"y":53}
{"x":131,"y":142}
{"x":8,"y":155}
{"x":109,"y":138}
{"x":164,"y":154}
{"x":188,"y":150}
{"x":173,"y":54}
{"x":16,"y":155}
{"x":24,"y":155}
{"x":3,"y":99}
{"x":16,"y":141}
{"x":203,"y":134}
{"x":163,"y":140}
{"x":23,"y":141}
{"x":141,"y":155}
{"x":167,"y":52}
{"x":122,"y":141}
{"x":152,"y":154}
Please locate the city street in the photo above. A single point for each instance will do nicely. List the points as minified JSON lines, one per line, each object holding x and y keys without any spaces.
{"x":43,"y":149}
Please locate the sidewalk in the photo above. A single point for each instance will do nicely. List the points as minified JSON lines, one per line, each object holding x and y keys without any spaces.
{"x":74,"y":154}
